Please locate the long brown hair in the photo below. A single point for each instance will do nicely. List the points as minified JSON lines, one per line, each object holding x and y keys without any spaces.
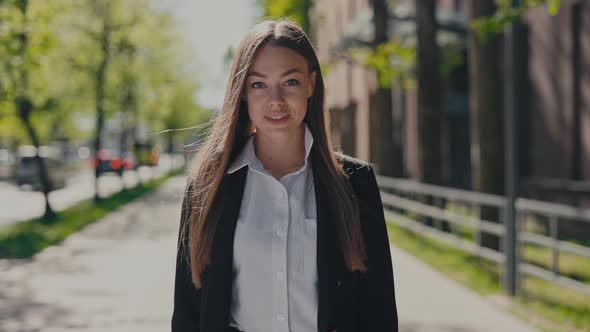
{"x":229,"y":133}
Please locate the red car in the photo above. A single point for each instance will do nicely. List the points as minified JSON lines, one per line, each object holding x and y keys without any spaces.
{"x":109,"y":161}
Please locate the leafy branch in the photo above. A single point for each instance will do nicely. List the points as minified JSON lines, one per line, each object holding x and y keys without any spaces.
{"x":488,"y":26}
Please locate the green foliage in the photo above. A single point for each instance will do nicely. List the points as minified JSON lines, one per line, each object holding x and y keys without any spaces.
{"x":560,"y":309}
{"x":488,"y":26}
{"x":26,"y":44}
{"x":147,"y":59}
{"x":293,"y":9}
{"x":570,"y":265}
{"x":167,"y":95}
{"x":228,"y":57}
{"x":325,"y":68}
{"x":451,"y":58}
{"x":392,"y":61}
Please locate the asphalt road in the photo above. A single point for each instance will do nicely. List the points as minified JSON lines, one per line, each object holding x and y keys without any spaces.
{"x":18,"y":204}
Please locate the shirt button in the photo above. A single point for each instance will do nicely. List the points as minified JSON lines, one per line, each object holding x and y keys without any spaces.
{"x":280,"y":232}
{"x":280,"y":317}
{"x":280,"y":275}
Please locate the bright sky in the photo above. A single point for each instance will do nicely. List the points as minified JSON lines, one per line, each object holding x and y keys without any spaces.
{"x":211,"y":27}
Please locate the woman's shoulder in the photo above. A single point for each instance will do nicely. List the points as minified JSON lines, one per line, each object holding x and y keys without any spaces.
{"x":352,"y":166}
{"x":361,"y":177}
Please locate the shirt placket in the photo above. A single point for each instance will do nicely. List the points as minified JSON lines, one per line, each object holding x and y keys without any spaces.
{"x":279,"y":257}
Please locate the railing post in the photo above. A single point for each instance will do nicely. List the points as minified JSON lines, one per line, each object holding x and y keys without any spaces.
{"x":502,"y":215}
{"x":555,"y":247}
{"x":438,"y":204}
{"x":512,"y":95}
{"x":477,"y":209}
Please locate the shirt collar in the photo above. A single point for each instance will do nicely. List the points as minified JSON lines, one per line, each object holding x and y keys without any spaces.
{"x":248,"y":157}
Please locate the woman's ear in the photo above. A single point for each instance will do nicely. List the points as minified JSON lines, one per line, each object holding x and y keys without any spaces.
{"x":312,"y":77}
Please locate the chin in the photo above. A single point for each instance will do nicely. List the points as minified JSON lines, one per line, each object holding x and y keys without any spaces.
{"x":283,"y":129}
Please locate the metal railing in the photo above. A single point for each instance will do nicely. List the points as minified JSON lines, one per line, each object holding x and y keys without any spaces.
{"x":404,"y":202}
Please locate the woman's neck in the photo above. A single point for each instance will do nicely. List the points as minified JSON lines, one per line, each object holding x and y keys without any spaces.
{"x":281,"y":154}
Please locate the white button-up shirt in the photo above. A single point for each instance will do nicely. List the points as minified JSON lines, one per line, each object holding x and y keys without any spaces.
{"x":275,"y":285}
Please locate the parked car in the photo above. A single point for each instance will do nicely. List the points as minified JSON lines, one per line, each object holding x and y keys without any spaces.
{"x":146,"y":154}
{"x":26,"y":169}
{"x":109,"y":161}
{"x":129,"y":161}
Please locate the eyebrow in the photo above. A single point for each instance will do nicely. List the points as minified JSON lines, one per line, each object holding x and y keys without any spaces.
{"x":290,"y":71}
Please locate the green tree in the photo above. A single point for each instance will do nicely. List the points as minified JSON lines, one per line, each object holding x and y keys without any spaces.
{"x":485,"y":51}
{"x":102,"y":26}
{"x":51,"y":91}
{"x":505,"y":12}
{"x":389,"y":150}
{"x":24,"y":46}
{"x":297,"y":10}
{"x":166,"y":95}
{"x":486,"y":115}
{"x":128,"y":94}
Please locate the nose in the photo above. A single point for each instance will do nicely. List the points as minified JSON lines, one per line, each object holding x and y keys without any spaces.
{"x":276,"y":99}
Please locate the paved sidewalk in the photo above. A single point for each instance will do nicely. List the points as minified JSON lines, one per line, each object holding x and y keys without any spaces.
{"x":429,"y":302}
{"x":117,"y":275}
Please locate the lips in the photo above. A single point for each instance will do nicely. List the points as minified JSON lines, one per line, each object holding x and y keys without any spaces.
{"x":277,"y":116}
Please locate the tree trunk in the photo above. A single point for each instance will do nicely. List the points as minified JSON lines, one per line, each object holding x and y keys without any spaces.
{"x":429,"y":98}
{"x":128,"y":98}
{"x":577,"y":155}
{"x":170,"y":144}
{"x":429,"y":110}
{"x":127,"y":107}
{"x":99,"y":104}
{"x":486,"y":115}
{"x":389,"y":152}
{"x":24,"y":107}
{"x":123,"y":145}
{"x":100,"y":83}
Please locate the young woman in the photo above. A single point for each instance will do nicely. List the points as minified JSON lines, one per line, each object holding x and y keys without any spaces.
{"x":278,"y":232}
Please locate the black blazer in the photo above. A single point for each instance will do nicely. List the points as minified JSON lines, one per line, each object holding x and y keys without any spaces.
{"x":348,"y":301}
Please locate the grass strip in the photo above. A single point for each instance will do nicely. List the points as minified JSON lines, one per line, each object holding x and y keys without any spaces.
{"x":550,"y":307}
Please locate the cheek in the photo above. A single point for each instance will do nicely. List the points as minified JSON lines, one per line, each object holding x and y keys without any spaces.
{"x":296,"y":98}
{"x":300,"y":93}
{"x":256,"y":107}
{"x":297,"y":101}
{"x":255,"y":99}
{"x":300,"y":104}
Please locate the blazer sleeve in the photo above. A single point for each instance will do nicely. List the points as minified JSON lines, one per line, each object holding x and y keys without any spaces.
{"x":378,"y":311}
{"x":186,"y":312}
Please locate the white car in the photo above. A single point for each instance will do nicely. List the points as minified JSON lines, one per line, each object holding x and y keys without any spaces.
{"x":27,"y":169}
{"x":6,"y":164}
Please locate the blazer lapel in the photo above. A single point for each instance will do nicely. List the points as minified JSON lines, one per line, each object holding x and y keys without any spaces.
{"x":218,"y":275}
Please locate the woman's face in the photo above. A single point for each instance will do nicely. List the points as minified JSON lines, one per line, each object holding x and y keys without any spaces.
{"x":277,"y":87}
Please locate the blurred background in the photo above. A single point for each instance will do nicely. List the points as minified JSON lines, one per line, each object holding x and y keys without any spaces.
{"x":474,"y":113}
